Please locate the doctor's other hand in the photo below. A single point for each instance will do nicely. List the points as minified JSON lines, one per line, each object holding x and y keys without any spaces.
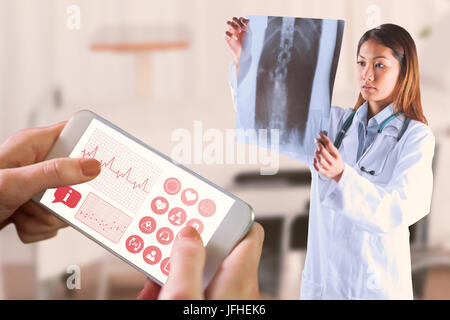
{"x":23,"y":174}
{"x":234,"y":36}
{"x":327,"y":160}
{"x":237,"y":277}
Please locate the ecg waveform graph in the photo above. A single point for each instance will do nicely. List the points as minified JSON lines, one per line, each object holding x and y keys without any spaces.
{"x":126,"y":177}
{"x":104,"y":218}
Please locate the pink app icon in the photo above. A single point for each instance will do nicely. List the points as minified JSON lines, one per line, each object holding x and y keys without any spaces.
{"x":165,"y":266}
{"x":147,"y":225}
{"x":189,"y":196}
{"x":172,"y":186}
{"x":152,"y":255}
{"x":160,"y":205}
{"x":67,"y":195}
{"x":177,"y":216}
{"x":164,"y":235}
{"x":206,"y":207}
{"x":197,"y":224}
{"x":134,"y":244}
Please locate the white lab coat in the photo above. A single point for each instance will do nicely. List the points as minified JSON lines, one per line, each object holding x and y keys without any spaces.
{"x":358,"y":238}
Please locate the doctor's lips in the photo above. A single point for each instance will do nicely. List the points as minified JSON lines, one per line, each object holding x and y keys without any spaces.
{"x":368,"y":87}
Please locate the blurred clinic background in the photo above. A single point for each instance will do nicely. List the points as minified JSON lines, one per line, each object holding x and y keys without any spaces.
{"x":152,"y":67}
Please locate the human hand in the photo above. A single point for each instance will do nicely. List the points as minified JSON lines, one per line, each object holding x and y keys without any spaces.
{"x":234,"y":36}
{"x":23,"y":174}
{"x":327,"y":160}
{"x":237,"y":277}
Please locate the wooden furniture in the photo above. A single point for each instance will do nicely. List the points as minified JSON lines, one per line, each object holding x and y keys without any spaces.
{"x":141,"y":41}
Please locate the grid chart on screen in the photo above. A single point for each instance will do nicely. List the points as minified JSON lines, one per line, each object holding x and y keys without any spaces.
{"x":104,"y":218}
{"x":126,"y":177}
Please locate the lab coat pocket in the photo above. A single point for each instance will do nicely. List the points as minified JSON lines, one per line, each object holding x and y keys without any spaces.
{"x":376,"y":163}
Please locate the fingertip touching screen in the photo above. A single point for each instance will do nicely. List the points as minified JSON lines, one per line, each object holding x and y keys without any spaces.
{"x":139,"y":202}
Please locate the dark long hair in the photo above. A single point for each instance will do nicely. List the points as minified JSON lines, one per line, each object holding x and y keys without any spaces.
{"x":407,"y":90}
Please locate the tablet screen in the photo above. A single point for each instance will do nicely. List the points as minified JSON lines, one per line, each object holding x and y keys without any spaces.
{"x":139,"y":202}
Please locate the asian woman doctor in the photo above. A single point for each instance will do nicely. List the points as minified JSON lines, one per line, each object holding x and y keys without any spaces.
{"x":371,"y":174}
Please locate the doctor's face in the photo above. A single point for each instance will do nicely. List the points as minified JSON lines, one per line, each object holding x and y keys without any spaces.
{"x":377,"y":72}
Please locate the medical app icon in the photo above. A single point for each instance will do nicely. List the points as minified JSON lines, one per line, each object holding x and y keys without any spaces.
{"x":207,"y":207}
{"x":160,"y":205}
{"x":189,"y":197}
{"x":68,"y":196}
{"x":197,"y":224}
{"x":177,"y":216}
{"x":134,"y":244}
{"x":152,"y":255}
{"x":172,"y":186}
{"x":164,"y":235}
{"x":147,"y":225}
{"x":165,"y":266}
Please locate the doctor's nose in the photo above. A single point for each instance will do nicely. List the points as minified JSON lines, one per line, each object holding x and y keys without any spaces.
{"x":368,"y":74}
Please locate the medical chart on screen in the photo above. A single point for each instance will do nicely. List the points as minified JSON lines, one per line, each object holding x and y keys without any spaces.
{"x":139,"y":202}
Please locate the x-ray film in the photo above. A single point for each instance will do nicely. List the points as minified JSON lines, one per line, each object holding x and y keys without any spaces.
{"x":285,"y":78}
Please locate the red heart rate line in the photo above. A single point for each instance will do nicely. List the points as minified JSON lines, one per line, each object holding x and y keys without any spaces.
{"x":127,"y":177}
{"x":109,"y":165}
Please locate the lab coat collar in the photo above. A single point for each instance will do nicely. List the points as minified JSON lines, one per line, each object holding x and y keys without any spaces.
{"x":384,"y":114}
{"x":392,"y":128}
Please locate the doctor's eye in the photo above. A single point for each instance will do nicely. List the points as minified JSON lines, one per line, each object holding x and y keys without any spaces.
{"x":361,"y":63}
{"x":379,"y":65}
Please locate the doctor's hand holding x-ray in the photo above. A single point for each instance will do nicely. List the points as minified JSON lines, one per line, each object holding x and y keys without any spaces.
{"x":371,"y":173}
{"x":234,"y":36}
{"x":327,"y":161}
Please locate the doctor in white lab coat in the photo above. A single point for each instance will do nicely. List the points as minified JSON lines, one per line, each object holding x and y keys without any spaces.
{"x":370,"y":183}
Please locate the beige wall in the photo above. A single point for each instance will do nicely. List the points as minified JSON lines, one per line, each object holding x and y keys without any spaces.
{"x":38,"y":53}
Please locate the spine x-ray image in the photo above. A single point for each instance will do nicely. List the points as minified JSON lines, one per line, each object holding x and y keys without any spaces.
{"x":286,"y":75}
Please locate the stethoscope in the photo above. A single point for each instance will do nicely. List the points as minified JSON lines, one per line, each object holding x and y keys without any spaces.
{"x":348,"y":122}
